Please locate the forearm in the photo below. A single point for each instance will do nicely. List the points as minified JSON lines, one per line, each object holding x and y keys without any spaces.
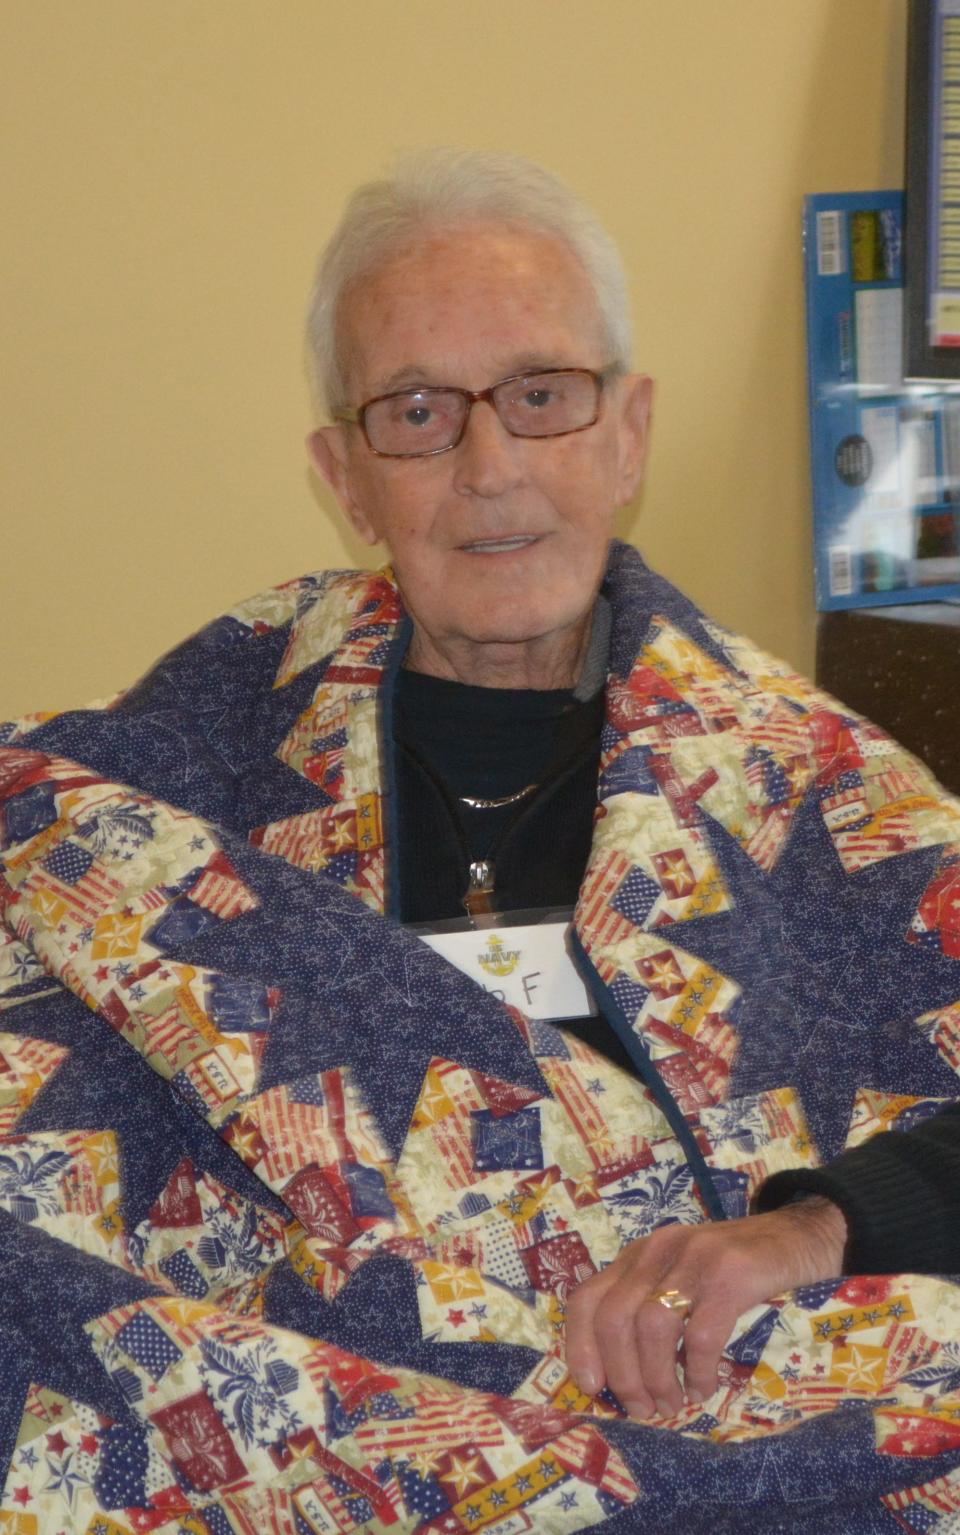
{"x":899,"y":1193}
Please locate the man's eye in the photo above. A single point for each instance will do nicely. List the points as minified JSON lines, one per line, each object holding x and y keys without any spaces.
{"x":538,"y":398}
{"x":417,"y":415}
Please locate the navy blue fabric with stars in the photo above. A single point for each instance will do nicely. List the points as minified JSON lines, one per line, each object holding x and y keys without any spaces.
{"x":829,"y":996}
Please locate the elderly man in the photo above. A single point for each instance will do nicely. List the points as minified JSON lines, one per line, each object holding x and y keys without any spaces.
{"x":473,"y":347}
{"x":338,"y":1161}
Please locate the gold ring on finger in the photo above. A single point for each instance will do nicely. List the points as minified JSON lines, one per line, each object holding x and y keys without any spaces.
{"x":674,"y":1300}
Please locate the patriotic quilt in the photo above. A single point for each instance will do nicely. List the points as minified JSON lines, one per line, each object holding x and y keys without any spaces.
{"x":290,"y":1209}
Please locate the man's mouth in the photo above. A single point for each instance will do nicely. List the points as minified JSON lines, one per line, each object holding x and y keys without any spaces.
{"x":499,"y":545}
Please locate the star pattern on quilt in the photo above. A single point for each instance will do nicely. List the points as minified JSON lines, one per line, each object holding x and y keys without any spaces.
{"x":323,"y":1021}
{"x":828,"y":994}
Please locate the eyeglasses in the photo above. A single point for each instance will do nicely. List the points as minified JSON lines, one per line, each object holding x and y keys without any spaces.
{"x":412,"y":423}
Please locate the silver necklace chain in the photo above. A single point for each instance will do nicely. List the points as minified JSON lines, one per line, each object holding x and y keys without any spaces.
{"x":475,"y":803}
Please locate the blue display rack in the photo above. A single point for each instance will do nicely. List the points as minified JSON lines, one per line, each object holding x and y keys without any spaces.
{"x":885,"y":455}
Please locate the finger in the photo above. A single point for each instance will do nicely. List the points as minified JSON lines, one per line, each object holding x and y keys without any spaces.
{"x":584,"y":1356}
{"x":615,"y":1331}
{"x":705,"y":1336}
{"x":658,"y":1331}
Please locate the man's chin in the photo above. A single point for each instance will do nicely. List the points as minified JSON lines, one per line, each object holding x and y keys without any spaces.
{"x":509,"y":634}
{"x":534,"y":633}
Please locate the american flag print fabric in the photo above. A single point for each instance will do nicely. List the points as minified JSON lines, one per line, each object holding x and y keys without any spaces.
{"x":307,"y":1205}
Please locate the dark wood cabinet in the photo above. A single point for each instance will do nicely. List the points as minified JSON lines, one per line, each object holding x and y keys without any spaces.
{"x":900,"y":666}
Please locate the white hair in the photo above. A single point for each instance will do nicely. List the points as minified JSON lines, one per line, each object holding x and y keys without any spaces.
{"x":437,"y":189}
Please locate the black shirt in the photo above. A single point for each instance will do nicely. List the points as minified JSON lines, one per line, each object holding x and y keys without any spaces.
{"x":455,"y":740}
{"x":451,"y":740}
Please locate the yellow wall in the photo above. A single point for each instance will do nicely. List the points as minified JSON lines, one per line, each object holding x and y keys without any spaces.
{"x":168,"y":169}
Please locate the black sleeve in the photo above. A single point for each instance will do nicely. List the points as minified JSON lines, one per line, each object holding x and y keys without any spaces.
{"x":900,"y":1193}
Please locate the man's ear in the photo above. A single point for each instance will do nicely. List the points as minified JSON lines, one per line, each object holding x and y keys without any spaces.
{"x":636,"y":399}
{"x":327,"y":450}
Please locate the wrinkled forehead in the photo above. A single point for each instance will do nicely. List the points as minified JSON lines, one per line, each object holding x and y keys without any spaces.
{"x":481,"y":295}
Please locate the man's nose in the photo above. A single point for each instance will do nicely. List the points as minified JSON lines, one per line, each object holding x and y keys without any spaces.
{"x":487,"y":458}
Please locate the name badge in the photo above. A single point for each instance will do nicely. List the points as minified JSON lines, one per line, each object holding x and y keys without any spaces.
{"x":530,"y":967}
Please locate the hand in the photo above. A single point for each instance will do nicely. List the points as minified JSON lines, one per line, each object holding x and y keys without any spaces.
{"x":618,"y":1334}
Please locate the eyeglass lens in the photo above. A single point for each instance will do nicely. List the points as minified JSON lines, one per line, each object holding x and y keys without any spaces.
{"x":430,"y":420}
